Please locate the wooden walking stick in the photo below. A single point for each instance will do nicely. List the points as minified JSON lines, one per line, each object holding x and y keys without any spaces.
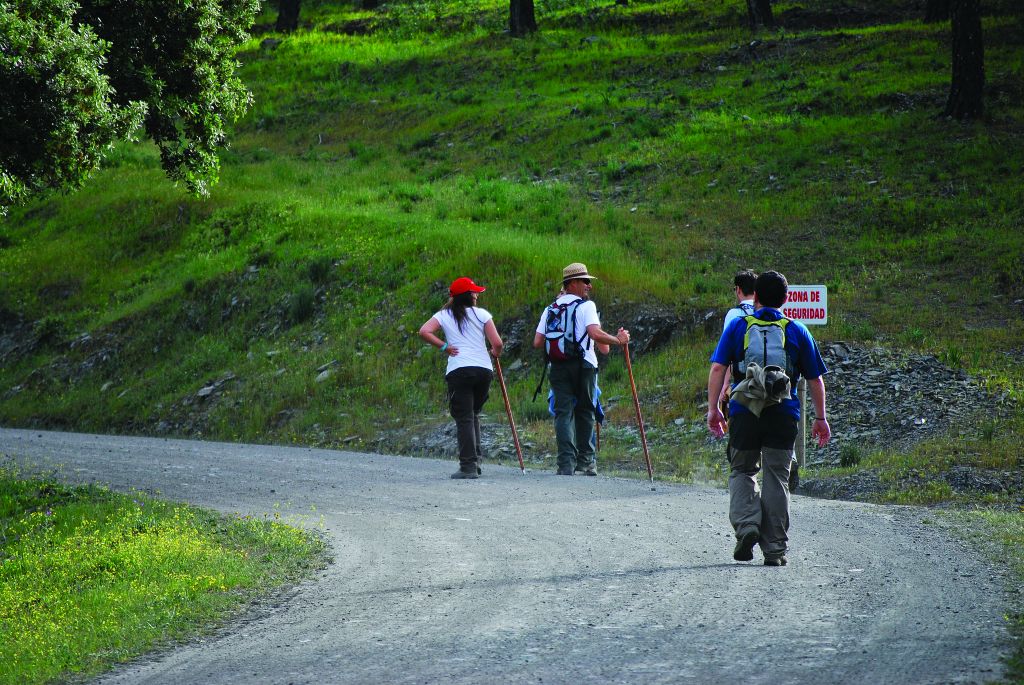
{"x":508,"y":410}
{"x":639,"y":418}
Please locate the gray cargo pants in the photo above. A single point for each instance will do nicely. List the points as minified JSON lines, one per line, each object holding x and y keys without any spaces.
{"x":574,"y":385}
{"x":765,"y":444}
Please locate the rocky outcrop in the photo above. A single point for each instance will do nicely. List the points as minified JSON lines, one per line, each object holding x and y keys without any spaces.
{"x":881,"y":397}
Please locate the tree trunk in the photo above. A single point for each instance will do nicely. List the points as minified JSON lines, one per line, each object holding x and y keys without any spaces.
{"x":936,"y":11}
{"x":287,"y":15}
{"x":521,"y":20}
{"x":966,"y":99}
{"x":760,"y":12}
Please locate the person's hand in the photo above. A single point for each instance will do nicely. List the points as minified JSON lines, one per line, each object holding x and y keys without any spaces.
{"x":822,"y":431}
{"x":716,"y":421}
{"x":623,"y":337}
{"x":495,"y":353}
{"x":452,"y":351}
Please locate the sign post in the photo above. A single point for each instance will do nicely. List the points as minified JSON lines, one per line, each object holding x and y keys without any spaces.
{"x":807,"y":304}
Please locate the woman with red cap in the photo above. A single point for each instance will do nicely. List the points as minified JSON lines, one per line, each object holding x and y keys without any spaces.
{"x":466,"y":327}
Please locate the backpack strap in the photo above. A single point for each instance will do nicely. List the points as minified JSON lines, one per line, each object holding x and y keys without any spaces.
{"x":751,"y":319}
{"x":540,"y":385}
{"x":744,"y":309}
{"x":575,"y":307}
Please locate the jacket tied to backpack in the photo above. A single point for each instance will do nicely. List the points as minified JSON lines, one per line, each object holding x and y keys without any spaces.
{"x":762,"y":387}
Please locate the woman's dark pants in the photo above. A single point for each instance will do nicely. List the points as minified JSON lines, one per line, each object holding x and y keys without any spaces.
{"x":467,"y":393}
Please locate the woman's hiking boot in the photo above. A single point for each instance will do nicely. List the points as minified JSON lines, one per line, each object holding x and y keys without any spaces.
{"x":468,"y":469}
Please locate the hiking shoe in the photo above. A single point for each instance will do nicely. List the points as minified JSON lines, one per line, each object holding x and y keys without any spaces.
{"x":459,"y":475}
{"x":590,"y":472}
{"x":744,"y":550}
{"x":775,"y":561}
{"x":564,"y":472}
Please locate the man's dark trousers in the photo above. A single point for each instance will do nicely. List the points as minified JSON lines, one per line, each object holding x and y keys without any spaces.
{"x":467,"y":392}
{"x":574,"y":384}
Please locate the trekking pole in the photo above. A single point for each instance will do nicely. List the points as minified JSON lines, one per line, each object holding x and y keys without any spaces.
{"x":639,"y":418}
{"x":508,"y":410}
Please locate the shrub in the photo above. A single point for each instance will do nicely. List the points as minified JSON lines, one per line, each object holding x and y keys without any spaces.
{"x":952,"y":356}
{"x":301,"y":304}
{"x":849,"y":455}
{"x":319,"y":269}
{"x":49,"y":329}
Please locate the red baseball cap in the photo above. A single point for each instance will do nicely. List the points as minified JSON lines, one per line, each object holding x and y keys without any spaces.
{"x":464,"y":285}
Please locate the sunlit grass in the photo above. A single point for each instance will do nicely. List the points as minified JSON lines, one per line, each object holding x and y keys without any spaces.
{"x":89,"y":578}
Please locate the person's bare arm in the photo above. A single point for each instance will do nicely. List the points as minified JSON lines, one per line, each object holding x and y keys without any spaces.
{"x":602,"y":338}
{"x":716,"y":380}
{"x":820,"y":430}
{"x":491,"y":331}
{"x":428,"y":332}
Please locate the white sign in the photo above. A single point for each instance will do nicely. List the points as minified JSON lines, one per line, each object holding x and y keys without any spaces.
{"x":807,"y":304}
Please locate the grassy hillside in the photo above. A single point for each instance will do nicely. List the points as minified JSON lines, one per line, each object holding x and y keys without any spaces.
{"x":662,"y":143}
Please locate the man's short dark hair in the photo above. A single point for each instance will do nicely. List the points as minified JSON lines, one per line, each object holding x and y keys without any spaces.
{"x":771,"y":289}
{"x":744,"y":280}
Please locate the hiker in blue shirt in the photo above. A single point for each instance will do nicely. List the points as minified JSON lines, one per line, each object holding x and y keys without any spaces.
{"x":765,"y":436}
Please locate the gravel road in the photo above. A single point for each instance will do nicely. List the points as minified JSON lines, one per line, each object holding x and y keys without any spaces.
{"x":547,"y":579}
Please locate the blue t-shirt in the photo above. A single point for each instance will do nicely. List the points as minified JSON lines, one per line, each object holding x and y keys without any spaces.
{"x":800,"y":347}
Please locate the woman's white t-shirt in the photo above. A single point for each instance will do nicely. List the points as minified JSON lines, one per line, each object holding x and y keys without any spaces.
{"x":470,"y":340}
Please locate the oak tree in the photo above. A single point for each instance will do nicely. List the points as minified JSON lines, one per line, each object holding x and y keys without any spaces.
{"x":79,"y":75}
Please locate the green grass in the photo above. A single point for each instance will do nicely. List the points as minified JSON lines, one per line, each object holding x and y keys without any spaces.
{"x":89,"y":578}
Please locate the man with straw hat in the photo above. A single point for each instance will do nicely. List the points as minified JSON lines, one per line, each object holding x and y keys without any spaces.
{"x":568,"y":331}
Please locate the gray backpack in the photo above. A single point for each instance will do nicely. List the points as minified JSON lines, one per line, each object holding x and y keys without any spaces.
{"x":764,"y":344}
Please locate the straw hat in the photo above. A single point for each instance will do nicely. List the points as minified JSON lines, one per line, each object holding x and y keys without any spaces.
{"x":575,"y":270}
